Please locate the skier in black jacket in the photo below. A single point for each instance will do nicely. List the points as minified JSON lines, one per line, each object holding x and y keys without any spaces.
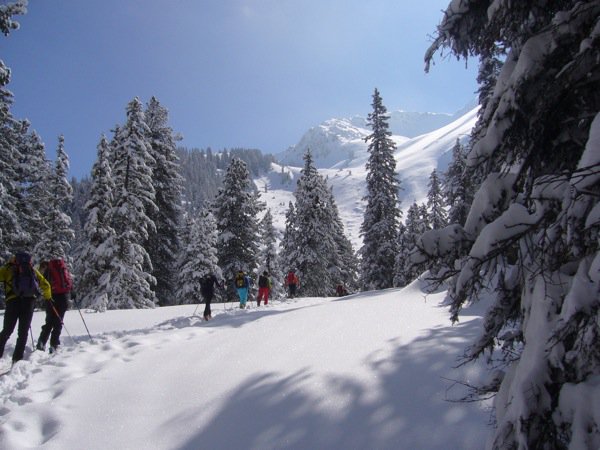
{"x":207,"y":289}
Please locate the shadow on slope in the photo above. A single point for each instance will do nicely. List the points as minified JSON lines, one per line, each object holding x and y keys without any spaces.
{"x":400,"y":405}
{"x":232,"y":317}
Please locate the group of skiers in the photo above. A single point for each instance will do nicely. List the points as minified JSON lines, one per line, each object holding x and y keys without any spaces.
{"x":243,"y":283}
{"x":23,"y":283}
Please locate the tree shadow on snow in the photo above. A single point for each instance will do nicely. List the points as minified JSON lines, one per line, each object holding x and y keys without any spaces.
{"x":402,"y":404}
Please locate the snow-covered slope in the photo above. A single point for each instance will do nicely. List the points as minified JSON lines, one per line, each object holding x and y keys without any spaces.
{"x":336,"y":142}
{"x":372,"y":370}
{"x":340,"y":150}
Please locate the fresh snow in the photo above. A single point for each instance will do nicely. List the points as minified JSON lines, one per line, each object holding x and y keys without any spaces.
{"x":335,"y":141}
{"x":371,"y":370}
{"x":416,"y":158}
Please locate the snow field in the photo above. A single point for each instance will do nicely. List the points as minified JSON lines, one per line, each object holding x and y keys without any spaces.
{"x":364,"y":371}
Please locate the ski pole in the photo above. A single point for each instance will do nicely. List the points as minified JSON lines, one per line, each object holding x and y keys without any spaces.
{"x":83,"y":320}
{"x":31,"y":333}
{"x":194,"y":313}
{"x":61,"y":321}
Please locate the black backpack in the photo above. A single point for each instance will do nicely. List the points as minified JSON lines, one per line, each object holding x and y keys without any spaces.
{"x":206,"y":284}
{"x":263,"y":281}
{"x":25,"y":283}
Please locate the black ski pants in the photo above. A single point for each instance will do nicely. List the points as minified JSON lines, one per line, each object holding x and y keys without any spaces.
{"x":54,"y":320}
{"x":17,"y":310}
{"x":292,"y":287}
{"x":208,"y":296}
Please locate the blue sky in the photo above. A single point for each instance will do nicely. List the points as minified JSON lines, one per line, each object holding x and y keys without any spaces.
{"x":233,"y":73}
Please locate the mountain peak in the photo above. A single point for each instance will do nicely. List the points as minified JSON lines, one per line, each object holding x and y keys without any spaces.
{"x":338,"y":140}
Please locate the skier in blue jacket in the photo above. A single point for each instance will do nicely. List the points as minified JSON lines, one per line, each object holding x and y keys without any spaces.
{"x":242,"y":284}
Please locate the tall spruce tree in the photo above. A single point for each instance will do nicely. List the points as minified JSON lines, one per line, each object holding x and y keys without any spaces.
{"x":93,"y":264}
{"x":130,"y":268}
{"x":532,"y":231}
{"x":346,"y":271}
{"x":268,"y":256}
{"x":236,"y":210}
{"x":199,"y":257}
{"x":163,"y":242}
{"x":35,"y":173}
{"x":76,"y":210}
{"x":11,"y":227}
{"x":401,"y":277}
{"x":379,"y":229}
{"x":458,"y":186}
{"x":289,"y":248}
{"x":437,"y":215}
{"x":56,"y":240}
{"x":414,"y":227}
{"x":489,"y":69}
{"x":316,"y":259}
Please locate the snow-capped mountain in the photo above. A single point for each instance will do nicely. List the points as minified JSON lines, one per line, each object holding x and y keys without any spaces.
{"x":340,"y":152}
{"x":336,"y":142}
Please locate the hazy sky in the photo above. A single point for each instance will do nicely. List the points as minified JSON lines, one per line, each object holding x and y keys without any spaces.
{"x":232,"y":73}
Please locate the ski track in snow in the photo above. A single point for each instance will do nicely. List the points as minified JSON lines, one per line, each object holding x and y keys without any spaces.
{"x":364,"y":371}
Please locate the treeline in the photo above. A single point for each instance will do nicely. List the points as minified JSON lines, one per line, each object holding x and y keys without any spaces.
{"x":203,"y":170}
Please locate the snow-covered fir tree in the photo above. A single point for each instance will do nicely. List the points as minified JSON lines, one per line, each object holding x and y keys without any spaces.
{"x":56,"y":240}
{"x":425,"y":224}
{"x":382,"y":213}
{"x":346,"y":272}
{"x":437,"y":215}
{"x":288,"y":245}
{"x":7,"y":22}
{"x":163,"y":243}
{"x":13,"y":232}
{"x":415,"y":225}
{"x":316,"y":258}
{"x":130,"y":269}
{"x":268,"y":258}
{"x":535,"y":220}
{"x":35,"y":174}
{"x":401,"y":277}
{"x":458,"y":186}
{"x":93,"y":264}
{"x":489,"y":69}
{"x":82,"y":189}
{"x":199,"y":257}
{"x":11,"y":228}
{"x":236,"y":210}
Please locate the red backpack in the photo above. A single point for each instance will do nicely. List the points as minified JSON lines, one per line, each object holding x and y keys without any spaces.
{"x":291,"y":278}
{"x":59,"y":276}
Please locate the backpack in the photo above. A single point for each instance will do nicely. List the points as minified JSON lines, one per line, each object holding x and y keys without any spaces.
{"x":240,"y":280}
{"x":291,"y":278}
{"x":207,"y":284}
{"x":59,"y":277}
{"x":263,"y":281}
{"x":25,"y":283}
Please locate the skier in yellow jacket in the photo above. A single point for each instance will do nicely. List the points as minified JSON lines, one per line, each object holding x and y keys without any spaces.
{"x":22,"y":284}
